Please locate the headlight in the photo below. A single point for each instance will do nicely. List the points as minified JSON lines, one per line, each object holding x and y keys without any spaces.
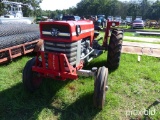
{"x":78,"y":30}
{"x":113,"y":24}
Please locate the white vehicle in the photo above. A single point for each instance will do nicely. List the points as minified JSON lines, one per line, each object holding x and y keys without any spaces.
{"x":118,"y":19}
{"x":128,"y":20}
{"x":110,"y":18}
{"x":15,"y":14}
{"x":138,"y":18}
{"x":138,"y":24}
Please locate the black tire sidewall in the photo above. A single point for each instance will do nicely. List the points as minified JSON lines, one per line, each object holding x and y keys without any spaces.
{"x":28,"y":75}
{"x":114,"y":49}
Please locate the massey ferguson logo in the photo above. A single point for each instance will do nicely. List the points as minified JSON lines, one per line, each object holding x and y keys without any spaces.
{"x":54,"y":32}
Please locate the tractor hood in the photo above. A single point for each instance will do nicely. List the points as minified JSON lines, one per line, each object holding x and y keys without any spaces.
{"x":66,"y":30}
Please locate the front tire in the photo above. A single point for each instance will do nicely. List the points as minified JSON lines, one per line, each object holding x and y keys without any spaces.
{"x":31,"y":80}
{"x":100,"y":87}
{"x":114,"y":49}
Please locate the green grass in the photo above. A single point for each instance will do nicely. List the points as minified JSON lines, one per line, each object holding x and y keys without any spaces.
{"x":133,"y":34}
{"x":133,"y":86}
{"x":151,"y":29}
{"x":129,"y":34}
{"x":145,"y":29}
{"x":140,"y":41}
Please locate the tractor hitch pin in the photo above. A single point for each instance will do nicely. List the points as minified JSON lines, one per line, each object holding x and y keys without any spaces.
{"x":106,"y":87}
{"x":87,"y":73}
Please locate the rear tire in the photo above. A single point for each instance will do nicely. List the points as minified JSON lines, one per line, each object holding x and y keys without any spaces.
{"x":114,"y":49}
{"x":31,"y":80}
{"x":100,"y":86}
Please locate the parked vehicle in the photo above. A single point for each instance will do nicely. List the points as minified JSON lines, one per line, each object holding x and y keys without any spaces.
{"x":40,"y":18}
{"x":128,"y":20}
{"x":101,"y":20}
{"x":71,"y":17}
{"x":152,"y":23}
{"x":118,"y":19}
{"x":110,"y":18}
{"x":138,"y":18}
{"x":138,"y":24}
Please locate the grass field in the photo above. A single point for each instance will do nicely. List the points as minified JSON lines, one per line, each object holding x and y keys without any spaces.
{"x":151,"y":29}
{"x":133,"y":34}
{"x":134,"y":87}
{"x":145,"y":29}
{"x":138,"y":41}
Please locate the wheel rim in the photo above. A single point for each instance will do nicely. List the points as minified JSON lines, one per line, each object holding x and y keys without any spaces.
{"x":104,"y":88}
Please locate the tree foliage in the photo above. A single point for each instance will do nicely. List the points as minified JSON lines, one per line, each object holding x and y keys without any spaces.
{"x":148,"y":9}
{"x":2,"y":11}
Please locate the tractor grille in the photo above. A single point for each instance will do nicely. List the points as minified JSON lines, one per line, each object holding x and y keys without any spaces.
{"x":70,"y":49}
{"x":55,"y":31}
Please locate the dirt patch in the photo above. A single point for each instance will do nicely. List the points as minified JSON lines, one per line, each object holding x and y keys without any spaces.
{"x":142,"y":45}
{"x":142,"y":39}
{"x":141,"y":51}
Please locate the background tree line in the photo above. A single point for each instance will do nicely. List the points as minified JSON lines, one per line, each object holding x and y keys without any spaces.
{"x":148,"y":9}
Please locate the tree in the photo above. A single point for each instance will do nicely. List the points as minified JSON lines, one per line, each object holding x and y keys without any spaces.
{"x":154,"y":10}
{"x":148,"y":9}
{"x":2,"y":10}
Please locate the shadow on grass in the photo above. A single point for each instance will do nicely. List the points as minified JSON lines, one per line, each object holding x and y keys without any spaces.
{"x":98,"y":64}
{"x":81,"y":109}
{"x":16,"y":103}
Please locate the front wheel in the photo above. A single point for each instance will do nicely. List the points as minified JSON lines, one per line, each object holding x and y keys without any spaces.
{"x":31,"y":80}
{"x":100,"y":87}
{"x":114,"y":49}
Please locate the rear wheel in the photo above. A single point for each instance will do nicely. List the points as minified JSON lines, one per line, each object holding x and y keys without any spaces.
{"x":114,"y":49}
{"x":100,"y":87}
{"x":31,"y":80}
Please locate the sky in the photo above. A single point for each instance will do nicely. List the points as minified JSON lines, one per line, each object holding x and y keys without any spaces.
{"x":58,"y":4}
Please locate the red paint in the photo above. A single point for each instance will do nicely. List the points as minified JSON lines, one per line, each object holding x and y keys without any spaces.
{"x":55,"y":68}
{"x":85,"y":24}
{"x":107,"y":31}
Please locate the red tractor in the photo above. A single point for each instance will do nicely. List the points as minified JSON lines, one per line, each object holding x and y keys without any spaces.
{"x":67,"y":46}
